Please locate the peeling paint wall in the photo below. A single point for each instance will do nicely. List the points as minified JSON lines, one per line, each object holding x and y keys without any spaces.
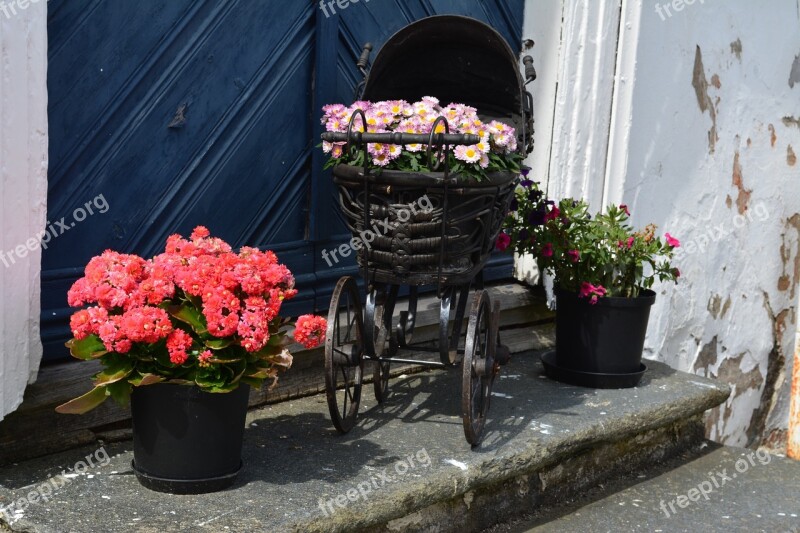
{"x":709,"y":154}
{"x":23,"y":195}
{"x":702,"y":140}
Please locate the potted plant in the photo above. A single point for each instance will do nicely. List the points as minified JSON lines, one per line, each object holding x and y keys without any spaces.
{"x":495,"y":151}
{"x":182,"y":336}
{"x":470,"y":186}
{"x":604,"y":270}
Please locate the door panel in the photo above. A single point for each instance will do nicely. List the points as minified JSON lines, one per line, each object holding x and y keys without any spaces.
{"x":180,"y":113}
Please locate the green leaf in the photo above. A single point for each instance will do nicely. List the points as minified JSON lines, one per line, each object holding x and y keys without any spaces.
{"x":226,"y":387}
{"x":145,"y":379}
{"x":219,"y":344}
{"x":224,"y":361}
{"x":85,"y":349}
{"x":85,"y":403}
{"x":121,"y":392}
{"x":114,"y":371}
{"x":253,"y":382}
{"x":263,"y":373}
{"x":181,"y":381}
{"x":190,"y":315}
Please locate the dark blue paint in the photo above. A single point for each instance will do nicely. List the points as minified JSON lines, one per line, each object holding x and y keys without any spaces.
{"x":250,"y":77}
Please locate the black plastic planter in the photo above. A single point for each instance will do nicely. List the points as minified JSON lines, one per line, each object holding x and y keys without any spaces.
{"x":599,"y":345}
{"x":186,"y":441}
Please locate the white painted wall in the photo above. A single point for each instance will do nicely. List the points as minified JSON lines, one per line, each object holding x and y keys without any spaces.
{"x":542,"y":25}
{"x":721,"y":181}
{"x":23,"y":194}
{"x":695,"y":161}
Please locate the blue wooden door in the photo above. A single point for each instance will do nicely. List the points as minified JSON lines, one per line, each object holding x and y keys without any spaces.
{"x":167,"y":114}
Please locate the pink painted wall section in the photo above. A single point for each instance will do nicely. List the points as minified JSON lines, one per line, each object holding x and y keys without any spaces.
{"x":23,"y":193}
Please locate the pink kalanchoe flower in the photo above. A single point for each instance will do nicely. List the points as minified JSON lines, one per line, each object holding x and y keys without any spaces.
{"x":672,"y":241}
{"x":503,"y":240}
{"x":110,"y":332}
{"x":145,"y":324}
{"x":547,"y":250}
{"x":200,"y":232}
{"x":81,"y":324}
{"x":310,"y":330}
{"x":574,"y":255}
{"x":204,"y":357}
{"x":177,"y":343}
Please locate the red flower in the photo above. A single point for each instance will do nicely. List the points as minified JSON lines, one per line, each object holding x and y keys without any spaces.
{"x":574,"y":255}
{"x":552,"y":214}
{"x":204,"y":357}
{"x":672,"y":241}
{"x":503,"y":240}
{"x":547,"y":250}
{"x":200,"y":232}
{"x":592,"y":291}
{"x":146,"y":324}
{"x":87,"y":321}
{"x":625,"y":208}
{"x":177,"y":343}
{"x":310,"y":330}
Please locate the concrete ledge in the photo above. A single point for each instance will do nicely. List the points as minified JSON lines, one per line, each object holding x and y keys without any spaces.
{"x":406,"y":462}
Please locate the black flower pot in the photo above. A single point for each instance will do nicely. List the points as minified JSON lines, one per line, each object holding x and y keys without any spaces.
{"x":186,"y":441}
{"x":599,"y":345}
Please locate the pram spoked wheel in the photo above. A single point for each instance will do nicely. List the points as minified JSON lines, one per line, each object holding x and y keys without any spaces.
{"x":344,"y":354}
{"x":483,"y":356}
{"x":379,"y":309}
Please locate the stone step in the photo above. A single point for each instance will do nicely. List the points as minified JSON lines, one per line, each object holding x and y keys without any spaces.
{"x":714,"y":489}
{"x":405,"y":467}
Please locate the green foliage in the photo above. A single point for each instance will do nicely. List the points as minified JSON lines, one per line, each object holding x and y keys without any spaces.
{"x":604,"y":251}
{"x":419,"y":162}
{"x":89,"y":348}
{"x":147,"y":364}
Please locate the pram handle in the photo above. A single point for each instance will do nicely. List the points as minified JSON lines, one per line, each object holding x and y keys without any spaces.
{"x":439,"y":139}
